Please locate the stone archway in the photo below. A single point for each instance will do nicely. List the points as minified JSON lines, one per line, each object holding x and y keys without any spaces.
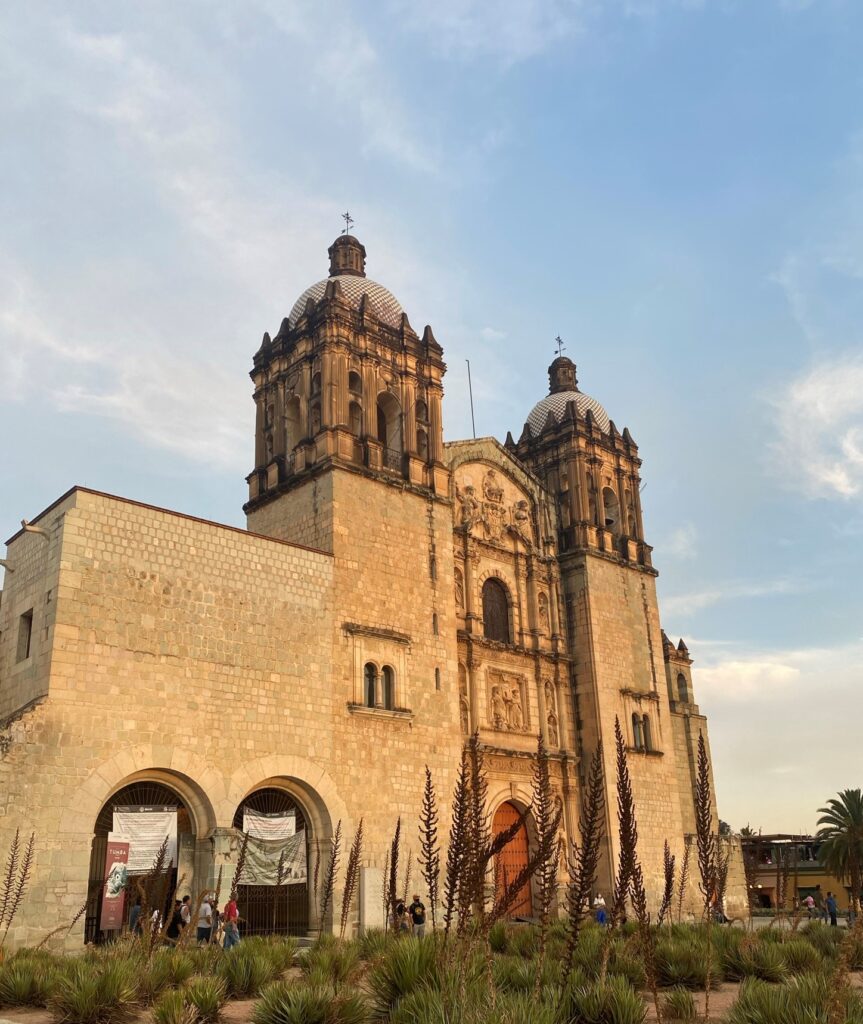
{"x":512,"y":859}
{"x":154,"y":788}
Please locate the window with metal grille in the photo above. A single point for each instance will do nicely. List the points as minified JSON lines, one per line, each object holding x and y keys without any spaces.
{"x":495,"y":611}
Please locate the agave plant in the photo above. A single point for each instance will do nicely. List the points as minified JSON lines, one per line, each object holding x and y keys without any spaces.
{"x":678,"y":1005}
{"x":288,"y":1003}
{"x":172,"y":1008}
{"x":407,"y":967}
{"x":95,"y":994}
{"x":841,"y":837}
{"x":25,"y":982}
{"x":207,"y":995}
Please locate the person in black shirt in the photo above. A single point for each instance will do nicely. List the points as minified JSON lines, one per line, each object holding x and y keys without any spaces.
{"x":176,"y":925}
{"x":417,"y":914}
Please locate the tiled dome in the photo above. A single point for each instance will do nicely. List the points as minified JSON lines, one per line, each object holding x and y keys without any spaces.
{"x":386,"y":307}
{"x":556,"y":405}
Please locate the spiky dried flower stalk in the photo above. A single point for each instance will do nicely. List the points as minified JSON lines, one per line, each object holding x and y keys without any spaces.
{"x":406,"y":885}
{"x":316,"y":874}
{"x":392,"y":893}
{"x":546,"y":818}
{"x":627,"y":831}
{"x":429,"y":856}
{"x":20,"y":885}
{"x":9,"y":876}
{"x":351,"y":877}
{"x":457,"y":845}
{"x":239,"y":869}
{"x":706,"y":846}
{"x":150,"y":888}
{"x":684,"y":876}
{"x":330,"y":872}
{"x":584,"y":859}
{"x":668,"y":866}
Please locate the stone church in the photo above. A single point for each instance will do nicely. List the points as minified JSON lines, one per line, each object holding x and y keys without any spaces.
{"x":392,"y":594}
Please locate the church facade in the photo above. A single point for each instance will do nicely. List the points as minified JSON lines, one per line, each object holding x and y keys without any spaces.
{"x":392,"y":595}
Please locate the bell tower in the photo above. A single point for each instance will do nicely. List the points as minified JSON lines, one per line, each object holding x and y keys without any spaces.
{"x":592,"y":473}
{"x":346,"y":382}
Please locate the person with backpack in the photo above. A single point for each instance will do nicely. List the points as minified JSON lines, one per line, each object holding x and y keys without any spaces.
{"x":417,"y":914}
{"x":230,"y":917}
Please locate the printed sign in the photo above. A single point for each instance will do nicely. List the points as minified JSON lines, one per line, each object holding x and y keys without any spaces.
{"x":281,"y":825}
{"x":263,"y":858}
{"x":145,"y":829}
{"x":114,"y":893}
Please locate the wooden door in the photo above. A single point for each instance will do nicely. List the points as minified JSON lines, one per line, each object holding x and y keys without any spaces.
{"x":512,"y":859}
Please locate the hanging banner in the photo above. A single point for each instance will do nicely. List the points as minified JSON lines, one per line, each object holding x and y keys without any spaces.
{"x":145,"y":829}
{"x":263,"y":858}
{"x":114,"y":893}
{"x":280,"y":825}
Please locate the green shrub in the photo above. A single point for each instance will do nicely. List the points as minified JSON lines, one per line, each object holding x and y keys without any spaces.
{"x":523,"y":941}
{"x":406,"y":967}
{"x":801,"y":957}
{"x":515,"y":974}
{"x":172,"y":1008}
{"x":291,"y":1003}
{"x":824,"y":938}
{"x":376,"y":943}
{"x":207,"y":995}
{"x":498,"y":938}
{"x":610,"y":1002}
{"x":800,"y":1001}
{"x":245,"y":970}
{"x":684,"y":964}
{"x":767,"y":961}
{"x":168,"y":968}
{"x":92,"y":993}
{"x":26,"y":982}
{"x":678,"y":1005}
{"x":332,"y":964}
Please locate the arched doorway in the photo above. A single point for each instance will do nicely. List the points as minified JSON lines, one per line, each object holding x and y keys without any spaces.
{"x":265,"y":907}
{"x":142,"y":795}
{"x":512,"y":859}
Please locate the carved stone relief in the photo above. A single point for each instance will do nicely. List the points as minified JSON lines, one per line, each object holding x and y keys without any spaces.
{"x":506,"y":697}
{"x":459,"y":588}
{"x":542,"y":609}
{"x":464,"y":706}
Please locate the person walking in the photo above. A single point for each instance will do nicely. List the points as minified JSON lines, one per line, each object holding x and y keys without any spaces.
{"x":820,"y":909}
{"x":417,"y":914}
{"x":205,"y":921}
{"x":810,"y":905}
{"x":186,"y":911}
{"x":599,"y":909}
{"x":231,"y":917}
{"x":175,"y":926}
{"x":135,"y":918}
{"x":832,"y":909}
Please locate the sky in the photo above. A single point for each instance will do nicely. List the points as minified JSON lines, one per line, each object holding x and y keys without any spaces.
{"x":674,"y":187}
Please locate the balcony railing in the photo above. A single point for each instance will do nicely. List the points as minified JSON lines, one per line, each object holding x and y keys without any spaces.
{"x":392,"y":460}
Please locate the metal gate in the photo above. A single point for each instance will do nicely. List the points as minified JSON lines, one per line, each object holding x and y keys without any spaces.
{"x":144,"y":794}
{"x":272,"y":909}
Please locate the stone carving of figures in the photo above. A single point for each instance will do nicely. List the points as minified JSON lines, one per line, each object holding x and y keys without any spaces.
{"x":553,"y":735}
{"x":521,"y":520}
{"x":491,"y":488}
{"x":498,"y":709}
{"x":516,"y":713}
{"x":543,"y":613}
{"x":550,"y":702}
{"x":459,"y":589}
{"x":469,"y":505}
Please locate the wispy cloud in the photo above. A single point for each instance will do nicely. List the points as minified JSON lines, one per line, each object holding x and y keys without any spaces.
{"x":681,"y":605}
{"x":818,"y":418}
{"x":682,"y":543}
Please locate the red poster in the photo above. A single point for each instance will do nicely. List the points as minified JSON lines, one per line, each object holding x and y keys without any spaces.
{"x":114,"y":893}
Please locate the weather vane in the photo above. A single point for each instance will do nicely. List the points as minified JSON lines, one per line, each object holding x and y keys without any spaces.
{"x":560,"y":346}
{"x":349,"y":221}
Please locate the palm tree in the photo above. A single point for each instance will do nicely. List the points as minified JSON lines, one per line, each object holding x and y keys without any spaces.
{"x":841,"y":838}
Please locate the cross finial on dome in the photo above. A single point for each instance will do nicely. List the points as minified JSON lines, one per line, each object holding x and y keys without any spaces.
{"x":349,"y":222}
{"x":560,"y":345}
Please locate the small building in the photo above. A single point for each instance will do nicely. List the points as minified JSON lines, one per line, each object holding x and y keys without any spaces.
{"x":789,"y":864}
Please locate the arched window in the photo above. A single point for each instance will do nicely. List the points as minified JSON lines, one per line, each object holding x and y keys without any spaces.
{"x":648,"y":738}
{"x":293,"y":425}
{"x":315,"y":417}
{"x":437,"y":678}
{"x":611,"y":510}
{"x":495,"y":610}
{"x":682,"y":689}
{"x":355,"y":418}
{"x":390,"y":429}
{"x":434,"y":623}
{"x":422,"y":412}
{"x":637,"y":734}
{"x":370,"y":685}
{"x":423,"y":445}
{"x":355,"y":384}
{"x":316,"y":384}
{"x":389,"y":695}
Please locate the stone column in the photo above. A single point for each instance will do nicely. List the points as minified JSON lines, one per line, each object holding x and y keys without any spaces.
{"x":623,"y":524}
{"x":542,"y":710}
{"x":636,"y":501}
{"x":473,"y":688}
{"x":279,"y":430}
{"x":532,"y":607}
{"x":435,"y":426}
{"x":260,"y":441}
{"x":469,"y":613}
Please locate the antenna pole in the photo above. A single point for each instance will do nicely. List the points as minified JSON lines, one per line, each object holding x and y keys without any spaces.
{"x":470,"y":392}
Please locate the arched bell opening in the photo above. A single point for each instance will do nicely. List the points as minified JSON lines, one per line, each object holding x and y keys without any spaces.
{"x":389,"y":429}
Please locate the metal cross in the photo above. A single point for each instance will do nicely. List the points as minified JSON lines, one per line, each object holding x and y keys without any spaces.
{"x":560,"y":346}
{"x":349,"y":221}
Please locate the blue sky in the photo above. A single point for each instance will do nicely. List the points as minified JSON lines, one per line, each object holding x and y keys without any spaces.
{"x":674,"y":186}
